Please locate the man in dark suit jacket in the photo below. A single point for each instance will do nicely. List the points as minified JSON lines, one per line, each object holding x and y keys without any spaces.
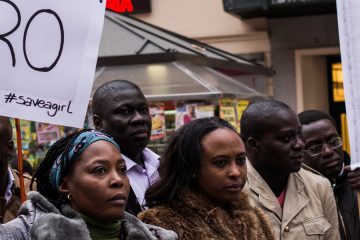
{"x":323,"y":152}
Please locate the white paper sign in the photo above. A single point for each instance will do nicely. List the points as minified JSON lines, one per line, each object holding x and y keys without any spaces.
{"x":48,"y":53}
{"x":349,"y":31}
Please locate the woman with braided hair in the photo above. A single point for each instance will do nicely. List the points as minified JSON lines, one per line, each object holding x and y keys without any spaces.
{"x":83,"y":189}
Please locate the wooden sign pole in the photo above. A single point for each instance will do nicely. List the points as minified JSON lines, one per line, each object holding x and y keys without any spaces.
{"x":20,"y":160}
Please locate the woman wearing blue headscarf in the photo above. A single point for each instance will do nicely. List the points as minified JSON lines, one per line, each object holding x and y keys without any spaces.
{"x":83,"y":189}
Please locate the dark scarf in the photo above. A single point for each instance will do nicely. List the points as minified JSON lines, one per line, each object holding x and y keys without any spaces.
{"x":133,"y":207}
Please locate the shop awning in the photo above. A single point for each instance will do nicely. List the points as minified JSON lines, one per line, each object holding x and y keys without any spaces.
{"x":177,"y":81}
{"x":169,"y":66}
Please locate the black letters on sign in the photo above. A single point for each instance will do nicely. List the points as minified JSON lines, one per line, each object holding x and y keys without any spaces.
{"x":44,"y":69}
{"x":4,"y":35}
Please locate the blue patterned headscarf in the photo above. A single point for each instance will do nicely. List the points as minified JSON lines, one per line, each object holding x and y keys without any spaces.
{"x":73,"y":151}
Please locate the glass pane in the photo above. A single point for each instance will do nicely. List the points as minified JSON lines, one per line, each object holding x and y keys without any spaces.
{"x":175,"y":81}
{"x":337,"y":82}
{"x":155,"y":80}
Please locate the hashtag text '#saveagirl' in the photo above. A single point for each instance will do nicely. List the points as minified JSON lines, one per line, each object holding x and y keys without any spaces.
{"x":53,"y":108}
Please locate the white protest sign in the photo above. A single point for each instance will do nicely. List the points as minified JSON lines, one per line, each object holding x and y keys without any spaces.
{"x":48,"y":54}
{"x":349,"y":32}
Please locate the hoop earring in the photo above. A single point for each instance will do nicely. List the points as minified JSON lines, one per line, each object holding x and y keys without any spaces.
{"x":69,"y":197}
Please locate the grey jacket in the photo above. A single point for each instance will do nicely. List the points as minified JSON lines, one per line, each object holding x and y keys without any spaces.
{"x":39,"y":219}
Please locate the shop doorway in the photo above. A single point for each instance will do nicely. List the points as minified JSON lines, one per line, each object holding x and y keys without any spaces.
{"x":312,"y":78}
{"x":319,"y":85}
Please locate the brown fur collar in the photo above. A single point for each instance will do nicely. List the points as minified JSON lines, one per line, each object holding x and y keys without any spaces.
{"x":197,"y":201}
{"x":195,"y":217}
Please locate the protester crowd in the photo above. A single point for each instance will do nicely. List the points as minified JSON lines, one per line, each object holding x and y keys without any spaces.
{"x":285,"y":176}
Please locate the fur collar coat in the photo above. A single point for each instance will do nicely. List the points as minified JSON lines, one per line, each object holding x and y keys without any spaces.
{"x":39,"y":219}
{"x":195,"y":217}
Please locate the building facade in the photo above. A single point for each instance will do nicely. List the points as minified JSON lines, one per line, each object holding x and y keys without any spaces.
{"x":298,"y":39}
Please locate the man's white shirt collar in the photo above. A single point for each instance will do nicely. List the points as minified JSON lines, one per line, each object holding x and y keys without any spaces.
{"x":11,"y":182}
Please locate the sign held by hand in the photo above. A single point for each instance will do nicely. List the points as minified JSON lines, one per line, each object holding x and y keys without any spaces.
{"x":48,"y":54}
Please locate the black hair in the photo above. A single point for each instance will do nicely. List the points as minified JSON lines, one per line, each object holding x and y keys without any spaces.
{"x":255,"y":115}
{"x":41,"y":176}
{"x":181,"y":160}
{"x":6,"y":130}
{"x":102,"y":95}
{"x":27,"y":168}
{"x":310,"y":116}
{"x":6,"y":141}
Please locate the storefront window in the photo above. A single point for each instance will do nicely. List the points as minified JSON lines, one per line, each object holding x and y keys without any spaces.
{"x":337,"y":82}
{"x":231,"y":110}
{"x":36,"y":139}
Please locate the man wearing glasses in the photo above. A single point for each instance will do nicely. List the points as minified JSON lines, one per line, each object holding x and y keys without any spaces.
{"x":323,"y":152}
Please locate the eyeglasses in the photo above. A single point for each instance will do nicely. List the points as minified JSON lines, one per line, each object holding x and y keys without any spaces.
{"x":320,"y":148}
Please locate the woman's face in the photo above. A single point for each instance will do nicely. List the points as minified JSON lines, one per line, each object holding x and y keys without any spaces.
{"x":98,"y":184}
{"x":222,"y":174}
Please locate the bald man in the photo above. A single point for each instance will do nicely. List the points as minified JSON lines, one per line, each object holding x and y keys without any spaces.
{"x":299,"y":203}
{"x":9,"y":181}
{"x":121,"y":110}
